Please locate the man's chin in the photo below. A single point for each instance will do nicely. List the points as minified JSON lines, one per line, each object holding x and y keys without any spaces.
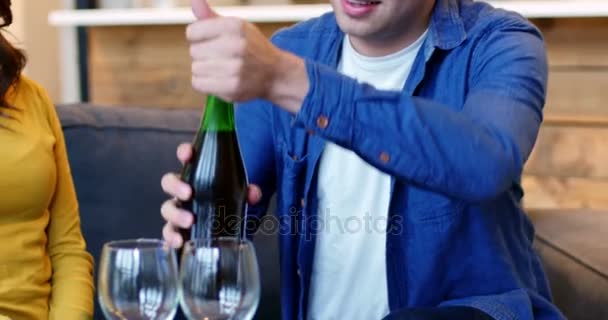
{"x":357,"y":30}
{"x":350,"y":25}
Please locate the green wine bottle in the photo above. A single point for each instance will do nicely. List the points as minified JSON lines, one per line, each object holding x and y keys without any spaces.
{"x":217,"y":176}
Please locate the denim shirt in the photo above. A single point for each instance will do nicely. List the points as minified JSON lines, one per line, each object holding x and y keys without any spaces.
{"x":454,"y":141}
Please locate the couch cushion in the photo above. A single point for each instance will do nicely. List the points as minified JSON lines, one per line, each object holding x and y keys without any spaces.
{"x":574,"y":249}
{"x":118,"y":156}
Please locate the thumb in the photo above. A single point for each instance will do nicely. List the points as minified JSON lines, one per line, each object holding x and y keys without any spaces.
{"x":202,"y":10}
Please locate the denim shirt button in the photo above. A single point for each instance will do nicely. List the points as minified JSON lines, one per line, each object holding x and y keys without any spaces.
{"x":384,"y":157}
{"x":302,"y":202}
{"x":322,"y":122}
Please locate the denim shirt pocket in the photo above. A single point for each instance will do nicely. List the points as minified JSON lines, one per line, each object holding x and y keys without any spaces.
{"x":291,"y":184}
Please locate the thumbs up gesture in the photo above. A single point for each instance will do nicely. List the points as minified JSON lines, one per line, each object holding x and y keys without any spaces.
{"x":233,"y":60}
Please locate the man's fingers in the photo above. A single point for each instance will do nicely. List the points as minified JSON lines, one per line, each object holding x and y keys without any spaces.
{"x":214,"y":68}
{"x":222,"y":48}
{"x":224,"y":88}
{"x":176,"y":216}
{"x":175,"y":187}
{"x":171,"y":236}
{"x":254,"y":194}
{"x":184,"y":152}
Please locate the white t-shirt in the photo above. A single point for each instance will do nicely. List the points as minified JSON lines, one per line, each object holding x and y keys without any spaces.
{"x":349,"y":269}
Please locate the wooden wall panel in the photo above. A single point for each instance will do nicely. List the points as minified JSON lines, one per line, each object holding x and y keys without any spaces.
{"x":547,"y":192}
{"x":575,"y":41}
{"x":144,"y":66}
{"x":568,"y":167}
{"x":141,"y":66}
{"x":570,"y":151}
{"x":577,"y":93}
{"x":577,"y":50}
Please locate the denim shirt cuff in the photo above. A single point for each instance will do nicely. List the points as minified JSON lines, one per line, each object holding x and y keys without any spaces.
{"x":329,"y":106}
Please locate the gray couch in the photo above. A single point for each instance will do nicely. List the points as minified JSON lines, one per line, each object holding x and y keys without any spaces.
{"x":118,"y":156}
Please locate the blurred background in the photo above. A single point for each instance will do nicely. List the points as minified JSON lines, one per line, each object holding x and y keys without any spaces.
{"x":125,"y":64}
{"x":50,"y":55}
{"x":31,"y":31}
{"x":133,"y":53}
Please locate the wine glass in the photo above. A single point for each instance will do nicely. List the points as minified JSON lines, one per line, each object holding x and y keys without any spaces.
{"x":219,"y":279}
{"x":138,"y":279}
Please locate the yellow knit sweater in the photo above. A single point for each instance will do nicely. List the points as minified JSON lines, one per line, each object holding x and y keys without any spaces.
{"x":45,"y":270}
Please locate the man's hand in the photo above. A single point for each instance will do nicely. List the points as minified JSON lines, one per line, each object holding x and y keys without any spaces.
{"x":233,"y":60}
{"x":173,"y":186}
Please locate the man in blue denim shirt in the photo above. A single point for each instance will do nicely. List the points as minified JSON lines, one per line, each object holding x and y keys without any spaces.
{"x":445,"y":151}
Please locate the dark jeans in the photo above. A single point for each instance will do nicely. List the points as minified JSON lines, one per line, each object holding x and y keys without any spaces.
{"x":443,"y":313}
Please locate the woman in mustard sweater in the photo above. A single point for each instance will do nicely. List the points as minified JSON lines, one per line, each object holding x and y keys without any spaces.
{"x":45,"y":270}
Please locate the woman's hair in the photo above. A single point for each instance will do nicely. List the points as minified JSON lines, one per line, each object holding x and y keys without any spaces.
{"x":12,"y":60}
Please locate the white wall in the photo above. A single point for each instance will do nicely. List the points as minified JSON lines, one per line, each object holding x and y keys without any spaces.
{"x":31,"y":32}
{"x":17,"y":30}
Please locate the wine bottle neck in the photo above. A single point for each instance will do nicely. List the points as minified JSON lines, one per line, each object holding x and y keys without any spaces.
{"x":218,"y":116}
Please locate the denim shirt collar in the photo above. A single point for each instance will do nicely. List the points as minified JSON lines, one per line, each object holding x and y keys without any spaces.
{"x":446,"y":29}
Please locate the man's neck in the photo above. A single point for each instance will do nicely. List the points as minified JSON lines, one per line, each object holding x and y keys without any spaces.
{"x":377,"y":46}
{"x":373,"y":48}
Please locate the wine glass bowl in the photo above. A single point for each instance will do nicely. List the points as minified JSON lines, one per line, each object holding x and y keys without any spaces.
{"x":138,"y":279}
{"x":219,"y":279}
